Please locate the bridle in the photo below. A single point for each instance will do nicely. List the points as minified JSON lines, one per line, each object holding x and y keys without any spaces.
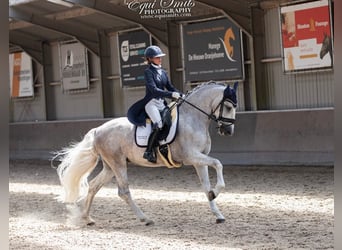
{"x":220,"y":119}
{"x":227,"y":121}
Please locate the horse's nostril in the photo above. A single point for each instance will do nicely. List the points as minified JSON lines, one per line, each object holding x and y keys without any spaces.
{"x":226,"y":129}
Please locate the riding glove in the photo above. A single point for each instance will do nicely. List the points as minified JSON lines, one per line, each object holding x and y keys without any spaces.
{"x":176,"y":95}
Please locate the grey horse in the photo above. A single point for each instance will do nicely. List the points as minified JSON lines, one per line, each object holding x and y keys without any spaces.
{"x":113,"y":142}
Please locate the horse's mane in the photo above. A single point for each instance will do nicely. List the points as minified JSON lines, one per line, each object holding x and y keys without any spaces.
{"x":205,"y":84}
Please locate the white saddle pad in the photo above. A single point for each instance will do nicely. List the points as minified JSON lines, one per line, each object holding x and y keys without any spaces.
{"x":143,"y":132}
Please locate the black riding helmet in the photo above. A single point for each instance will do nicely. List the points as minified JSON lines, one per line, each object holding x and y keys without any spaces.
{"x":153,"y":51}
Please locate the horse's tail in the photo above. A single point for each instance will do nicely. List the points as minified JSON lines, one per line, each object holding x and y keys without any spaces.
{"x":77,"y":162}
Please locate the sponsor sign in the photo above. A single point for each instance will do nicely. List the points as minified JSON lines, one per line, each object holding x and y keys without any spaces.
{"x":132,"y":46}
{"x":21,"y":76}
{"x":212,"y":51}
{"x":74,"y":66}
{"x":306,"y":36}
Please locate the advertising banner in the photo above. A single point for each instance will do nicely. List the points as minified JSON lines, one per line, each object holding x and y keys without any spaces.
{"x":132,"y":61}
{"x":74,"y":66}
{"x":21,"y":76}
{"x":212,"y":51}
{"x":306,"y":36}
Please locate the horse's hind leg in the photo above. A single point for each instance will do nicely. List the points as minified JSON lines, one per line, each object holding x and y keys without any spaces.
{"x":202,"y":172}
{"x":120,"y":171}
{"x":104,"y":177}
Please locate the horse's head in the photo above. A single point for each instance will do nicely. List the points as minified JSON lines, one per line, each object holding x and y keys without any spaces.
{"x":226,"y":110}
{"x":326,"y":46}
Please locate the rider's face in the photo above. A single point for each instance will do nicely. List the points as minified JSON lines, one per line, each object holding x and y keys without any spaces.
{"x":156,"y":60}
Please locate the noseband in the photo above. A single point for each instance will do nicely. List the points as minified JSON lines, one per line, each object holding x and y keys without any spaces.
{"x":228,"y":121}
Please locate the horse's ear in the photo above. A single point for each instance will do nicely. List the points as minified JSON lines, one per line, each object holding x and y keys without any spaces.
{"x":235,"y":86}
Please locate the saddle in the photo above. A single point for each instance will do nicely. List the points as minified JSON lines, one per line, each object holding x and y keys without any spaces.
{"x":166,"y":135}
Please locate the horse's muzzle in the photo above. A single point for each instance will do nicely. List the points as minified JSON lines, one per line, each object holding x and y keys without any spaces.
{"x":226,"y":129}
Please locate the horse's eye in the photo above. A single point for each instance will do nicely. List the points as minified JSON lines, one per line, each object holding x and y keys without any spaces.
{"x":229,"y":109}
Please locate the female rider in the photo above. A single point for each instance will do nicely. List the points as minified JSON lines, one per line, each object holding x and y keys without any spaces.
{"x":158,"y":87}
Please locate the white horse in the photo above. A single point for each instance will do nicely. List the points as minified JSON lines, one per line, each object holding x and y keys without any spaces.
{"x":114,"y":143}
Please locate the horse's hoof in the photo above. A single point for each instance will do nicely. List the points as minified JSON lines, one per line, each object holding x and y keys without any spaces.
{"x":211,"y":195}
{"x":89,"y":221}
{"x":219,"y":221}
{"x":149,"y":223}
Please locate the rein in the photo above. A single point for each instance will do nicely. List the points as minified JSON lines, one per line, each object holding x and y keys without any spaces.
{"x":212,"y":116}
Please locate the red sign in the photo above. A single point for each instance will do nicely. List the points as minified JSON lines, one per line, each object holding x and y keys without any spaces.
{"x":306,"y":36}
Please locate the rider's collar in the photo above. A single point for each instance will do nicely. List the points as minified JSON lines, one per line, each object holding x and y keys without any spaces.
{"x":156,"y":66}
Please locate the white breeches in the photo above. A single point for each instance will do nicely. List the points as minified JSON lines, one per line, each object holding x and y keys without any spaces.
{"x":153,"y":108}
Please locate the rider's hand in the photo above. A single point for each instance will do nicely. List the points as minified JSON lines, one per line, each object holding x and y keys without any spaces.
{"x":176,"y":95}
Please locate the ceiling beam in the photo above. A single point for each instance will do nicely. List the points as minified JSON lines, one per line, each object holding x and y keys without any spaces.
{"x":19,"y":2}
{"x":13,"y":25}
{"x":158,"y":29}
{"x":69,"y":14}
{"x":88,"y":37}
{"x":239,"y":12}
{"x":29,"y":44}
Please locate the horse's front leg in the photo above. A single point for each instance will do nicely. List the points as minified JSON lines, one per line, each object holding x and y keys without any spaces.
{"x":202,"y":172}
{"x":204,"y":160}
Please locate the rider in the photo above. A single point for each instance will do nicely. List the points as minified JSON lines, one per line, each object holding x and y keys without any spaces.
{"x":158,"y":86}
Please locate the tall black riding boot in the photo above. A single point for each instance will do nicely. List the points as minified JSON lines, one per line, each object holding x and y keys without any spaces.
{"x":150,"y":154}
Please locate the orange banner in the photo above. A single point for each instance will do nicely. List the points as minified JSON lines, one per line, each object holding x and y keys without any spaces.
{"x":21,"y":75}
{"x":16,"y":75}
